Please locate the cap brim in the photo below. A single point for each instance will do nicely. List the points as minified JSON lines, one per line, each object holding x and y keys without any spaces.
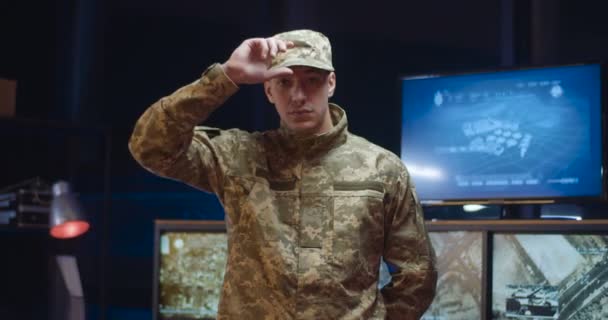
{"x":303,"y":63}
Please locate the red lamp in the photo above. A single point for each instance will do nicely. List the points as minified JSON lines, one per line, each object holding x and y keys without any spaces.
{"x":66,"y":219}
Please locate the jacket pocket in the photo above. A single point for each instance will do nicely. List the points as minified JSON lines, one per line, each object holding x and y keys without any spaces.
{"x":268,"y":214}
{"x":358,"y":228}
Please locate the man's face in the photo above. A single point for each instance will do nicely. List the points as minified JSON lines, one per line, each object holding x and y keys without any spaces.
{"x":301,"y":99}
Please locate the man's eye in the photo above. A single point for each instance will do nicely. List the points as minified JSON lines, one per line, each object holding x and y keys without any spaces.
{"x":314,"y":80}
{"x":284,"y":82}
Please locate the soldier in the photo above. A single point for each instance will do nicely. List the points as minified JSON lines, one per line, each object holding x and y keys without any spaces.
{"x":311,"y":208}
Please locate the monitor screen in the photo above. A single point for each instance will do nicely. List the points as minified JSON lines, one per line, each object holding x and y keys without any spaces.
{"x":519,"y":134}
{"x":549,"y":276}
{"x":460,"y":276}
{"x":189,"y":269}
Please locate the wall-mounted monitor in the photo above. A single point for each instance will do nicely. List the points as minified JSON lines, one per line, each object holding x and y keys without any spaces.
{"x":189,"y":264}
{"x":518,"y":135}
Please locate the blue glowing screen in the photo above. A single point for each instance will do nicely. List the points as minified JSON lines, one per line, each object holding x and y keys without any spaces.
{"x":516,"y":134}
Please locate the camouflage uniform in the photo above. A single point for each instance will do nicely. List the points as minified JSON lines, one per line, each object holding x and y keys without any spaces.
{"x":310,"y":218}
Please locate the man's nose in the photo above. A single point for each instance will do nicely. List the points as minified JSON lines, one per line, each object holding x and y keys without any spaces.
{"x":298,"y":92}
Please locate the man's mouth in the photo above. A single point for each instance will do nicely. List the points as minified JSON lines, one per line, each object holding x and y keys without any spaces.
{"x":300,"y":112}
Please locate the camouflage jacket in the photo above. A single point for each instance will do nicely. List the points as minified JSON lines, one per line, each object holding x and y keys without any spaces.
{"x":310,"y":218}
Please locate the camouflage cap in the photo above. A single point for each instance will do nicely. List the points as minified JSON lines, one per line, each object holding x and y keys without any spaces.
{"x":311,"y":48}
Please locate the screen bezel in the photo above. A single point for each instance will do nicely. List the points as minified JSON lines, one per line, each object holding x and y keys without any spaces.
{"x":160,"y":226}
{"x":603,"y":194}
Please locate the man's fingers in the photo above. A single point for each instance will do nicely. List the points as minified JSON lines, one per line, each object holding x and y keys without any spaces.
{"x":262,"y":46}
{"x":267,"y":48}
{"x":278,"y":72}
{"x":284,"y":45}
{"x":272,"y":46}
{"x":249,"y":63}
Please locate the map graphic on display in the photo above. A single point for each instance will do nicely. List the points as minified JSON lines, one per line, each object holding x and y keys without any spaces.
{"x":459,"y":282}
{"x":191,"y":274}
{"x":562,"y":277}
{"x":518,"y":134}
{"x":491,"y":136}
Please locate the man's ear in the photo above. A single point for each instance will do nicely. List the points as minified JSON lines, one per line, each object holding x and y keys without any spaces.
{"x":268,"y":91}
{"x":331,"y":82}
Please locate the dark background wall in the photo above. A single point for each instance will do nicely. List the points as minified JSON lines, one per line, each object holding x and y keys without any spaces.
{"x":86,"y":69}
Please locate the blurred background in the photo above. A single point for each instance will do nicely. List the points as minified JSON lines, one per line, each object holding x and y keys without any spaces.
{"x":85,"y":70}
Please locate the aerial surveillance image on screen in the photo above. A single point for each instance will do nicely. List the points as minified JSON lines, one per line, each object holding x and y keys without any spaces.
{"x":459,"y":283}
{"x":529,"y":133}
{"x":550,"y":276}
{"x":191,"y":274}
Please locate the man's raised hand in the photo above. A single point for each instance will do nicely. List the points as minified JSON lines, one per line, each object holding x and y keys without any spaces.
{"x":249,"y":63}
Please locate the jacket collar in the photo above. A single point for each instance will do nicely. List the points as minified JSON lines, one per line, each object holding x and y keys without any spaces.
{"x":312,"y":145}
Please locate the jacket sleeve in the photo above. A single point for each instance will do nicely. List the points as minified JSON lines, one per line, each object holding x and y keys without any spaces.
{"x":165,"y":139}
{"x":407,"y":249}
